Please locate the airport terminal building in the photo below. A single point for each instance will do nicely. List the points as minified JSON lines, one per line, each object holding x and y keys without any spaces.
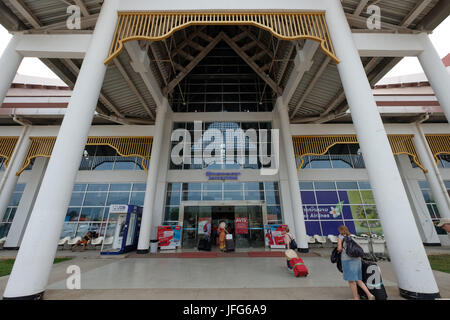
{"x":266,"y":111}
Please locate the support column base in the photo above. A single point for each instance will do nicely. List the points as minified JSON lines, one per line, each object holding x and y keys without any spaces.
{"x":303,"y":250}
{"x":419,"y":296}
{"x":145,"y":251}
{"x":37,"y":296}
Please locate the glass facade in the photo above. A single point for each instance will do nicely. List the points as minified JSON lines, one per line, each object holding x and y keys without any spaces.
{"x":89,"y":205}
{"x":2,"y":164}
{"x":339,"y":156}
{"x":97,"y":158}
{"x":430,"y":202}
{"x":444,"y":161}
{"x":222,"y":82}
{"x":329,"y":204}
{"x":261,"y":146}
{"x":11,"y":210}
{"x":223,"y":191}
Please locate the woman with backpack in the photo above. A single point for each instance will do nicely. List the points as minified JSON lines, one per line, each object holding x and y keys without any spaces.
{"x":289,"y":240}
{"x":351,"y":266}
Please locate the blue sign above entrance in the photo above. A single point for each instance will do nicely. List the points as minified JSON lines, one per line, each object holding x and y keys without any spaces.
{"x":222,"y":175}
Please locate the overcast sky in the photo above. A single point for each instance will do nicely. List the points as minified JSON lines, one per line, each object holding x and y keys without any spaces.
{"x":440,"y":38}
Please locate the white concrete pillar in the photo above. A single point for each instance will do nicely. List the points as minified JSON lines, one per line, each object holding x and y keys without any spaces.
{"x":161,"y":184}
{"x":10,"y":178}
{"x":408,"y":256}
{"x":34,"y":260}
{"x":436,"y":73}
{"x":9,"y":63}
{"x":283,"y":174}
{"x":22,"y":216}
{"x":297,"y":210}
{"x":433,"y":176}
{"x":152,"y":178}
{"x":421,"y":214}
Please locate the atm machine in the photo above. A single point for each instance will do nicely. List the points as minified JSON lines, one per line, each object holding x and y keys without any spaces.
{"x":122,"y":229}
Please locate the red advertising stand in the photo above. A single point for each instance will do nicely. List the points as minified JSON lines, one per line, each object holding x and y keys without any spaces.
{"x":274,"y":235}
{"x":169,"y":237}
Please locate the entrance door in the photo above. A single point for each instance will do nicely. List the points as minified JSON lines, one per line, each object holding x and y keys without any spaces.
{"x":249,"y":227}
{"x":195,"y":222}
{"x":245,"y":221}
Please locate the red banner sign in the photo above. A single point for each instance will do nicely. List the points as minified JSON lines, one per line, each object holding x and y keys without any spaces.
{"x":241,"y":225}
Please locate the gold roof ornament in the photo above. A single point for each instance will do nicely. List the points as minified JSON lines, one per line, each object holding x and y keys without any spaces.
{"x":319,"y":145}
{"x":7,"y":146}
{"x":125,"y":147}
{"x":439,"y":144}
{"x":155,"y":26}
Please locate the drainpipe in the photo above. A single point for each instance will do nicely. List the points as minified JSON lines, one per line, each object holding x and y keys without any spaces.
{"x":26,"y":127}
{"x":434,"y":168}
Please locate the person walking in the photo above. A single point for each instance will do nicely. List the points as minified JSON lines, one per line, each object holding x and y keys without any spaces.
{"x":352,"y":269}
{"x":222,"y":236}
{"x":289,"y":240}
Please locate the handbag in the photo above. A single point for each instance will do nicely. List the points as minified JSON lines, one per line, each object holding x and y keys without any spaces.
{"x":353,"y":249}
{"x":336,"y":258}
{"x":292,"y":244}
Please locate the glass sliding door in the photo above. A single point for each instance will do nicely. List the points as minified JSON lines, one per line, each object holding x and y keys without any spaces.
{"x":190,"y":227}
{"x":245,"y":222}
{"x":242,"y":239}
{"x":255,"y":226}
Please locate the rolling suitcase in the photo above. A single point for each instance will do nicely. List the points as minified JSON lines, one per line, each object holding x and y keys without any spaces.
{"x":204,"y":244}
{"x":374,"y":285}
{"x":229,"y":245}
{"x":299,"y":267}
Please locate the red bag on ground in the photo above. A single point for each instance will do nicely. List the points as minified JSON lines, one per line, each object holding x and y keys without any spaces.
{"x":299,"y":267}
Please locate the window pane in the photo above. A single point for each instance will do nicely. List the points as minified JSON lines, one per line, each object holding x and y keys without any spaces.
{"x":306,"y":185}
{"x":97,"y":187}
{"x":232,"y":186}
{"x":272,"y":197}
{"x":20,"y":187}
{"x":212,"y":186}
{"x":95,"y":199}
{"x":68,"y":230}
{"x":171,"y":214}
{"x":91,"y":214}
{"x":118,"y":198}
{"x":15,"y":199}
{"x":104,"y":163}
{"x":77,"y":199}
{"x":233,"y":196}
{"x":72,"y":214}
{"x":192,"y":196}
{"x":173,"y":198}
{"x":254,"y":195}
{"x":212,"y":196}
{"x":124,"y":164}
{"x":12,"y":213}
{"x":137,"y":198}
{"x":347,"y":185}
{"x":120,"y":187}
{"x":324,"y":185}
{"x":139,"y":187}
{"x":83,"y":228}
{"x":80,"y":187}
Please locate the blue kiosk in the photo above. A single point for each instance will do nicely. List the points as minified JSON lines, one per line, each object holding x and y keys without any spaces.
{"x":122,"y":229}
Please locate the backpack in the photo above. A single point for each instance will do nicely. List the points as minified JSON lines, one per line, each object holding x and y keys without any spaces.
{"x":353,"y":249}
{"x":292,"y":244}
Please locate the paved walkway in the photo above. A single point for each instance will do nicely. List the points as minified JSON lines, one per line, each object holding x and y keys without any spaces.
{"x":207,"y":278}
